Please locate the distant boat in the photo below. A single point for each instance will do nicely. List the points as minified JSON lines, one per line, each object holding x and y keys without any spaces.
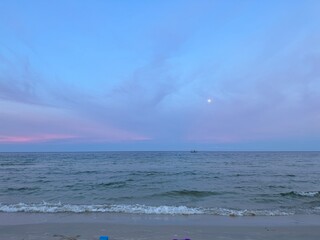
{"x":193,"y":151}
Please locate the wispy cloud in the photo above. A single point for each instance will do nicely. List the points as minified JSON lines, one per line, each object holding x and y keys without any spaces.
{"x":34,"y":139}
{"x":276,"y":100}
{"x":263,"y":80}
{"x":17,"y":80}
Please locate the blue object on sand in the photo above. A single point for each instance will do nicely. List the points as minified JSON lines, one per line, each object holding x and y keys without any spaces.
{"x":104,"y":238}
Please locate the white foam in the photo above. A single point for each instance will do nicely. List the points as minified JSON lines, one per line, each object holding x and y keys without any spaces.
{"x":133,"y":209}
{"x":308,"y":194}
{"x":59,"y":208}
{"x":155,"y":210}
{"x":246,"y":212}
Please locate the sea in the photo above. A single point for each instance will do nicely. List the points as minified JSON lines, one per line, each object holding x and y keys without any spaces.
{"x":165,"y":183}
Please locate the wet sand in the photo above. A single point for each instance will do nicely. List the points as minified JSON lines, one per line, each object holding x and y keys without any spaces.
{"x":20,"y":226}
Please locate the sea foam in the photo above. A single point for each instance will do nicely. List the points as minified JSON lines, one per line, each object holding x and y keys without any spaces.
{"x":302,"y":194}
{"x":61,"y":208}
{"x":133,"y":209}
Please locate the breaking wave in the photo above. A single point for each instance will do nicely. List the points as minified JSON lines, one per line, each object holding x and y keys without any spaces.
{"x":133,"y":209}
{"x":302,"y":194}
{"x":65,"y":208}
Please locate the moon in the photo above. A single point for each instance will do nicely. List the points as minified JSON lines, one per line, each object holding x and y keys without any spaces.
{"x":209,"y":100}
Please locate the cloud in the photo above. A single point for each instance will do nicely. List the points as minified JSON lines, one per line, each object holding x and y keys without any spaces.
{"x":34,"y":139}
{"x":33,"y":109}
{"x":276,"y":100}
{"x":32,"y":123}
{"x":264,"y":85}
{"x":17,"y":80}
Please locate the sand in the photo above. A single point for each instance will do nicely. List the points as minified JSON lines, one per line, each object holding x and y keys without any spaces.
{"x":23,"y":226}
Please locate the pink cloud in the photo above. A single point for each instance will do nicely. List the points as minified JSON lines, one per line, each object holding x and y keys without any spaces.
{"x":95,"y":132}
{"x":34,"y":139}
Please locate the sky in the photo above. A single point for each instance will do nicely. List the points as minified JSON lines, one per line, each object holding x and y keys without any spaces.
{"x":159,"y":75}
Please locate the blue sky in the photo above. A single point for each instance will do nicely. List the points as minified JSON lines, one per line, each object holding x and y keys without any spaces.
{"x":137,"y":75}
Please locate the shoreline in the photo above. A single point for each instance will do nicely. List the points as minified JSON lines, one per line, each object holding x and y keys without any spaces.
{"x":90,"y":226}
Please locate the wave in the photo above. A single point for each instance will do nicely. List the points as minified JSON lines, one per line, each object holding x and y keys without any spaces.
{"x":71,"y":208}
{"x":13,"y":164}
{"x":148,"y":173}
{"x":86,"y":172}
{"x":302,"y":194}
{"x":22,"y":189}
{"x":191,"y":193}
{"x":246,"y":212}
{"x":134,"y":209}
{"x":115,"y":184}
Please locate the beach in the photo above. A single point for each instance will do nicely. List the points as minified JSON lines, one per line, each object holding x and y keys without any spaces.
{"x":26,"y":226}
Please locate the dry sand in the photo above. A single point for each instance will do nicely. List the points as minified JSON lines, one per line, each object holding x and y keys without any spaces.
{"x":141,"y":227}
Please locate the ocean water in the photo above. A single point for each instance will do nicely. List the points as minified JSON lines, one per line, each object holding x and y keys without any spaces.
{"x":214,"y":183}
